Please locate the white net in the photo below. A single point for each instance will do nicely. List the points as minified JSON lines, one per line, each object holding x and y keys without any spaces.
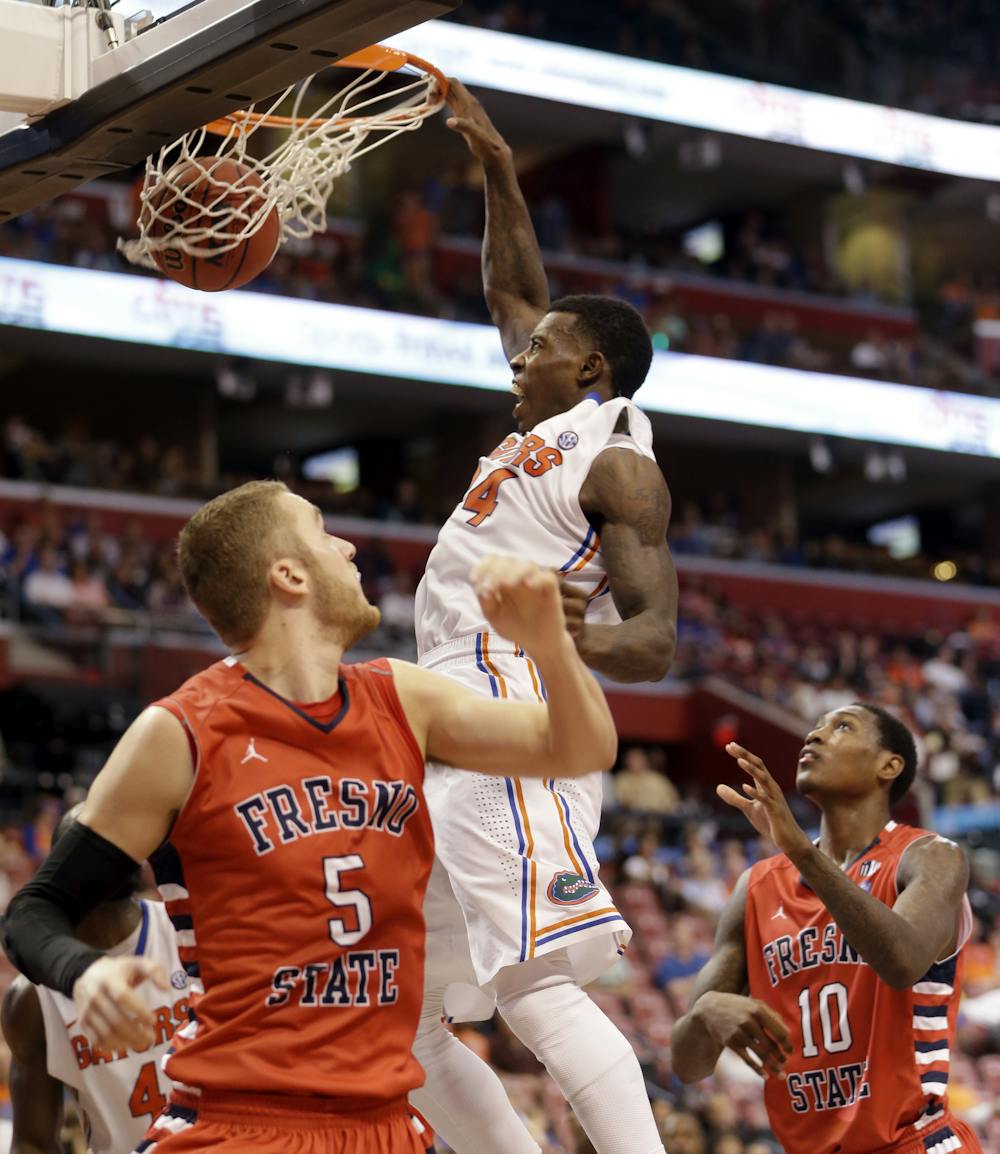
{"x":194,"y":200}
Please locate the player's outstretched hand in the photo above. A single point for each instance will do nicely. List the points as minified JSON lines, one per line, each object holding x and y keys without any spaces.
{"x":110,"y":1011}
{"x":750,"y":1029}
{"x":521,"y":601}
{"x":764,"y":806}
{"x":468,"y":118}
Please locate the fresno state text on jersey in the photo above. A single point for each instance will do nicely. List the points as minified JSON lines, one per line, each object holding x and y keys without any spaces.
{"x":295,"y":876}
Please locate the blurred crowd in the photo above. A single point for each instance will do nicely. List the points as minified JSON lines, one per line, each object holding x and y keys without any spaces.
{"x":910,"y":53}
{"x":408,"y":263}
{"x":59,"y":568}
{"x":716,"y":528}
{"x":62,"y":569}
{"x":946,"y":687}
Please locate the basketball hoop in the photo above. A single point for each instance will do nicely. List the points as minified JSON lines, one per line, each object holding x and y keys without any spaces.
{"x":297,"y":177}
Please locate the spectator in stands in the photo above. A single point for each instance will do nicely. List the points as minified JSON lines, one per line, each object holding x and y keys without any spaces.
{"x":640,"y":789}
{"x":89,"y":593}
{"x":376,"y":568}
{"x":416,"y":228}
{"x":686,"y":957}
{"x":88,"y":539}
{"x":941,"y":671}
{"x":407,"y":504}
{"x":47,"y":592}
{"x":166,"y":594}
{"x":646,"y":867}
{"x":398,"y":607}
{"x":127,"y":583}
{"x":728,"y":1142}
{"x":701,"y":887}
{"x":683,"y":1133}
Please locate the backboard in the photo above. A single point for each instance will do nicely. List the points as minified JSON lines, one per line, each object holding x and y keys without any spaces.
{"x":86,"y":90}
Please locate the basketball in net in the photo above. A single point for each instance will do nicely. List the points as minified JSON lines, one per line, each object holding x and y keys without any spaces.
{"x":216,"y":204}
{"x":222,"y":202}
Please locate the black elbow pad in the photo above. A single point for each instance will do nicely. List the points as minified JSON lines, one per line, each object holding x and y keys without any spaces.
{"x":82,"y":871}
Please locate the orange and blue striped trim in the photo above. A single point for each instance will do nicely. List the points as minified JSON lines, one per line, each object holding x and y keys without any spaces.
{"x":498,"y":684}
{"x":550,"y":934}
{"x":587,"y":551}
{"x":600,"y":589}
{"x":519,"y":811}
{"x":579,"y":858}
{"x":562,"y":807}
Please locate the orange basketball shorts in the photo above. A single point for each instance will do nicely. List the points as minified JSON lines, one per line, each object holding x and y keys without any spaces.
{"x":943,"y":1136}
{"x":257,"y":1124}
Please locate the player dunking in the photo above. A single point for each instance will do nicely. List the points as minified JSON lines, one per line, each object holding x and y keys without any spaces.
{"x":837,"y":966}
{"x":515,"y":904}
{"x":119,"y":1091}
{"x":295,"y":878}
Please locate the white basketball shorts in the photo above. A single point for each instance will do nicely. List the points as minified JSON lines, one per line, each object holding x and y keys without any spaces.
{"x":519,"y":868}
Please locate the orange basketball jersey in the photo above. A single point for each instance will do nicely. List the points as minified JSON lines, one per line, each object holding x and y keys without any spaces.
{"x":294,"y":877}
{"x":869,"y":1067}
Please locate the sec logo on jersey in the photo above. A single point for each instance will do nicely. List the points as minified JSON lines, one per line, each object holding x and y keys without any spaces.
{"x":567,"y":440}
{"x":570,"y":889}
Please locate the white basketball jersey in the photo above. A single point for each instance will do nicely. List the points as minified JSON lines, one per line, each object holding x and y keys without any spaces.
{"x":120,"y":1092}
{"x":524,"y":501}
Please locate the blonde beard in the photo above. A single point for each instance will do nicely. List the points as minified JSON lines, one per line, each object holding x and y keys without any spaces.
{"x":341,"y":607}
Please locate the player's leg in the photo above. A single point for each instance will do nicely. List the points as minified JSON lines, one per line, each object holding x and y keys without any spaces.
{"x":585,"y":1053}
{"x":462,"y":1097}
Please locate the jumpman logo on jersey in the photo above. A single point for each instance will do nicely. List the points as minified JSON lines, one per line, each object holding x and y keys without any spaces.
{"x":779,"y":912}
{"x":252,"y":754}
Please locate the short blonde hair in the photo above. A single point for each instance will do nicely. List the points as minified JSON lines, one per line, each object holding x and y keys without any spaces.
{"x":225,"y":551}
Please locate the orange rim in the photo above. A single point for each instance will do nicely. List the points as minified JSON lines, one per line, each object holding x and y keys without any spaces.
{"x":377,"y":58}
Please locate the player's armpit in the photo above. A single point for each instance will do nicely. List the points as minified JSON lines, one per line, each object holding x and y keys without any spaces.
{"x":626,"y":499}
{"x":143,"y":785}
{"x":36,"y":1097}
{"x":933,"y":877}
{"x":459,"y":727}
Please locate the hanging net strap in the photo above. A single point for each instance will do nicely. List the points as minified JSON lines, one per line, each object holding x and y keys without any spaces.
{"x":297,"y":176}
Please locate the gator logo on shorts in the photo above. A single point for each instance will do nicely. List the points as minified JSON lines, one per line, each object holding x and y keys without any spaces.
{"x":570,"y":889}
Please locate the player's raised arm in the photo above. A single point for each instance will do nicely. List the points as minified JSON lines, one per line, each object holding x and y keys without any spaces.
{"x":128,"y":813}
{"x":722,"y":1014}
{"x":626,"y":499}
{"x":36,"y":1097}
{"x":900,"y":943}
{"x":517,"y":293}
{"x":572,"y":734}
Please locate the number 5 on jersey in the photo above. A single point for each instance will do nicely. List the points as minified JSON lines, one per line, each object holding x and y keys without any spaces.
{"x":357,"y":900}
{"x":481,"y":499}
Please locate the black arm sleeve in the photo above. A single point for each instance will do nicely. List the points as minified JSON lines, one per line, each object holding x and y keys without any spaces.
{"x":83,"y":870}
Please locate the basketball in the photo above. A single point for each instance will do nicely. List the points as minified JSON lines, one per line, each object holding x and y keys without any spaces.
{"x":224,"y":195}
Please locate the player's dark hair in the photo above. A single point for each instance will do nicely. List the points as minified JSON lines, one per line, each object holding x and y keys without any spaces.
{"x":895,"y":738}
{"x":129,"y":888}
{"x":618,"y":331}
